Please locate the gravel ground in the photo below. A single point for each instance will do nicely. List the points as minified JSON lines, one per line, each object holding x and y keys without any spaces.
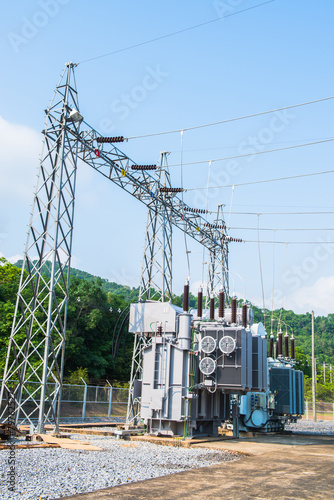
{"x":310,"y":427}
{"x":52,"y":473}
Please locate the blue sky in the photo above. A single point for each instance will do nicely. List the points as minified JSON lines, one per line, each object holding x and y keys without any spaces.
{"x":271,"y":56}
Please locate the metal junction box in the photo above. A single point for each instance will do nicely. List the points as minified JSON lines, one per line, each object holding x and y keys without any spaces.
{"x":144,"y":316}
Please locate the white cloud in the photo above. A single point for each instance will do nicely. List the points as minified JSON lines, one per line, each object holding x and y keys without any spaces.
{"x":20,"y":149}
{"x":13,"y":258}
{"x":318,"y":297}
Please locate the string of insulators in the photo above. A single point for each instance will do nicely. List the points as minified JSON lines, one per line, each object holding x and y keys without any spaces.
{"x":279,"y":344}
{"x":186,"y":296}
{"x":221,"y":304}
{"x":170,"y":190}
{"x":292,"y":346}
{"x":286,"y":346}
{"x":215,"y":226}
{"x":212,"y":308}
{"x":271,"y":346}
{"x":110,"y":139}
{"x":195,"y":210}
{"x":234,"y":310}
{"x":200,"y":303}
{"x":143,"y":167}
{"x":229,"y":238}
{"x":244,"y":315}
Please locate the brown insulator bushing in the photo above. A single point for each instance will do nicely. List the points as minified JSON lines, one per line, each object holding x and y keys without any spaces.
{"x":234,"y":311}
{"x":271,"y":346}
{"x":276,"y":349}
{"x":244,"y":315}
{"x":186,"y":296}
{"x":292,"y":345}
{"x":279,"y":344}
{"x":212,"y":308}
{"x":200,"y":303}
{"x":221,"y":307}
{"x":286,"y":345}
{"x":159,"y":330}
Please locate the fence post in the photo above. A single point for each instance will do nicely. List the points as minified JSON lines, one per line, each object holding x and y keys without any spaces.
{"x":306,"y":407}
{"x":110,"y":399}
{"x":84,"y":401}
{"x":55,"y":401}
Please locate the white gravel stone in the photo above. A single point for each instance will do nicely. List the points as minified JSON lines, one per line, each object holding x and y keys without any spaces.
{"x":309,"y":427}
{"x":50,"y":473}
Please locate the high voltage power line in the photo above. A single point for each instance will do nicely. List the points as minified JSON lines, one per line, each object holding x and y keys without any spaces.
{"x":185,"y":129}
{"x":174,"y":33}
{"x":254,"y":154}
{"x":263,"y":180}
{"x":282,"y":229}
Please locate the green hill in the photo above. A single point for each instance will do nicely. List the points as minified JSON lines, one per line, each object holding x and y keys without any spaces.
{"x":97,"y":310}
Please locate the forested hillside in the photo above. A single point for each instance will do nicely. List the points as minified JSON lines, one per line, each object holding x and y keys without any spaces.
{"x":97,"y":310}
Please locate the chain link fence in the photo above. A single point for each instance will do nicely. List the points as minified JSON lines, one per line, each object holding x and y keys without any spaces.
{"x":324,"y":410}
{"x":82,"y":402}
{"x":85,"y":402}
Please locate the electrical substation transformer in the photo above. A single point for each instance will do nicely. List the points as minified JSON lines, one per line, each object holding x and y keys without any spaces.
{"x":209,"y":369}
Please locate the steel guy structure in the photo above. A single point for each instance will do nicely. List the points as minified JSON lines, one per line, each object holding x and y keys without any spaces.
{"x":37,"y":342}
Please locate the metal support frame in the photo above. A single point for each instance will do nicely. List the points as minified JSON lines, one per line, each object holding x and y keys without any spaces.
{"x":133,"y":408}
{"x":218,"y":259}
{"x":156,"y":276}
{"x":37,"y":342}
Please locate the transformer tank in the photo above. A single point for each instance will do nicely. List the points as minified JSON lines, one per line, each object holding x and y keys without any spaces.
{"x":200,"y":374}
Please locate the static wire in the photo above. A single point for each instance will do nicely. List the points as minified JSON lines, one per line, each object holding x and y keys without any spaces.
{"x":168,"y":35}
{"x":184,"y":232}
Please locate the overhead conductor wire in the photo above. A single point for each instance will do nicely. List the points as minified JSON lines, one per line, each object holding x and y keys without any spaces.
{"x":168,"y":35}
{"x":184,"y":232}
{"x":229,"y":215}
{"x":206,"y":209}
{"x":254,"y":154}
{"x":280,"y":314}
{"x":260,"y":264}
{"x":244,"y":117}
{"x":266,"y":180}
{"x":273,"y":289}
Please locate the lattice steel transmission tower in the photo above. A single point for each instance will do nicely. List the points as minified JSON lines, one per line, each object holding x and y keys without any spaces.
{"x":35,"y":357}
{"x":218,"y":258}
{"x":156,"y":276}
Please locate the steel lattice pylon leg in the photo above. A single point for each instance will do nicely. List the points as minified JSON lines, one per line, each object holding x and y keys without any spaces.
{"x":156,"y":276}
{"x":133,"y":408}
{"x":218,"y":259}
{"x":34,"y":365}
